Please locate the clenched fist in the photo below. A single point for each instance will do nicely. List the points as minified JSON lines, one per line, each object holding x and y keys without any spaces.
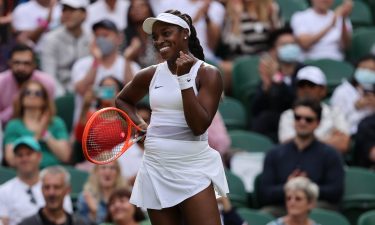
{"x":184,"y":63}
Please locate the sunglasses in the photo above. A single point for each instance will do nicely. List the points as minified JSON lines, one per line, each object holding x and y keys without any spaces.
{"x":37,"y":93}
{"x":308,"y":119}
{"x":296,"y":198}
{"x":32,"y":198}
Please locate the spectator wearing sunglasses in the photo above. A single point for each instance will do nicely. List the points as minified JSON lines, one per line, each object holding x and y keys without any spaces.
{"x":22,"y":196}
{"x":303,"y":156}
{"x":22,"y":65}
{"x":34,"y":115}
{"x":333,"y":128}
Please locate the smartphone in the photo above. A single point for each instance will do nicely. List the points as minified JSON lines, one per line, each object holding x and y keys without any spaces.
{"x":105,"y":92}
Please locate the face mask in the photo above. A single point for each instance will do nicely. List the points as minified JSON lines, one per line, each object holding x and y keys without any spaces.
{"x":289,"y":53}
{"x":365,"y":77}
{"x":105,"y":46}
{"x":106,"y":92}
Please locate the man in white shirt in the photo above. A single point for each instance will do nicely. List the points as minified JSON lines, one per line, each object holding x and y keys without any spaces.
{"x":115,"y":10}
{"x":22,"y":196}
{"x":31,"y":20}
{"x":104,"y":61}
{"x":64,"y":45}
{"x":321,"y":32}
{"x":333,"y":129}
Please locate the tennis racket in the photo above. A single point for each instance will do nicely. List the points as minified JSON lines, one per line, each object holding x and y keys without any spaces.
{"x":108,"y":134}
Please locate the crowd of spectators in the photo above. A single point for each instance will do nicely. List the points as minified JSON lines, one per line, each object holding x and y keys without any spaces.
{"x":91,"y":49}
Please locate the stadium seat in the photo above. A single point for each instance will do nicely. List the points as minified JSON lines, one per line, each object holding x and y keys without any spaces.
{"x":367,"y":218}
{"x":257,"y":202}
{"x":361,"y":14}
{"x":6,"y":174}
{"x":233,"y":113}
{"x":335,"y":71}
{"x":289,"y":7}
{"x":237,"y":193}
{"x":77,"y":180}
{"x":359,"y":195}
{"x":250,"y":141}
{"x":323,"y":216}
{"x":65,"y":109}
{"x":245,"y":78}
{"x":362,"y":42}
{"x":252,"y":216}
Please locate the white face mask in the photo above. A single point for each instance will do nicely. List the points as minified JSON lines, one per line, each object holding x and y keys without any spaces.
{"x":289,"y":53}
{"x":365,"y":77}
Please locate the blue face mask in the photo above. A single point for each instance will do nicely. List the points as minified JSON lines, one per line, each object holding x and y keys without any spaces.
{"x":106,"y":92}
{"x":365,"y":77}
{"x":289,"y":53}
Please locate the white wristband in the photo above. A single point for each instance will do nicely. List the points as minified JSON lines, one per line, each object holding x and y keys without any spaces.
{"x":185,"y":81}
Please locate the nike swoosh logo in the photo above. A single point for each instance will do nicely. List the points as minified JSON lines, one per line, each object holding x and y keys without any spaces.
{"x":188,"y":80}
{"x":156,"y":87}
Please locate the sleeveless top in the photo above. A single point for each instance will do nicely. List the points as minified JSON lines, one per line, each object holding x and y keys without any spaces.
{"x":167,"y":118}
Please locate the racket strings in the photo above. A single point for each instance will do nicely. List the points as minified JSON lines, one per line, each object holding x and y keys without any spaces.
{"x":107,"y":136}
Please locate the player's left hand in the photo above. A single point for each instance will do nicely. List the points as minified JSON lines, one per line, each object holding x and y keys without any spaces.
{"x":184,"y":63}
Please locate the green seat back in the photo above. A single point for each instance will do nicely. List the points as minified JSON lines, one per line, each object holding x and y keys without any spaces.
{"x":77,"y":180}
{"x":361,"y":14}
{"x":237,"y":193}
{"x":355,"y":192}
{"x":250,"y":141}
{"x":328,"y":217}
{"x":335,"y":71}
{"x":362,"y":42}
{"x":245,"y":78}
{"x":367,"y":218}
{"x":65,"y":109}
{"x":289,"y":7}
{"x":6,"y":174}
{"x":252,"y":216}
{"x":359,"y":195}
{"x":233,"y":113}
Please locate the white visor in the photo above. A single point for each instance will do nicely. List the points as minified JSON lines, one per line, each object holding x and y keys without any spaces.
{"x":164,"y":17}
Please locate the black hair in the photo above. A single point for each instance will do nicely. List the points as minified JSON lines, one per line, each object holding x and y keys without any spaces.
{"x":119,"y":84}
{"x":21,"y":48}
{"x":194,"y":44}
{"x":356,"y":64}
{"x":311,"y":103}
{"x":131,"y":31}
{"x":276,"y":34}
{"x":364,"y":58}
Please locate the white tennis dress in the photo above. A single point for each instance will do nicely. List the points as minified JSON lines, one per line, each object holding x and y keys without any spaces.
{"x":176,"y":164}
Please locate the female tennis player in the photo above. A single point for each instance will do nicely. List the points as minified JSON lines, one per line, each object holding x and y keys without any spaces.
{"x":180,"y":172}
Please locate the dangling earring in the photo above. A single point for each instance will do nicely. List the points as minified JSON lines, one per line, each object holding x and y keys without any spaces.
{"x":185,"y":38}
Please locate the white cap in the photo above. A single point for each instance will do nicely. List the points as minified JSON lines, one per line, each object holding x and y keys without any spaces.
{"x":164,"y":17}
{"x":77,"y":4}
{"x":312,"y":74}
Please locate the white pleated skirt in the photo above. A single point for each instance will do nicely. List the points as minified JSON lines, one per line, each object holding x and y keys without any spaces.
{"x":174,"y":170}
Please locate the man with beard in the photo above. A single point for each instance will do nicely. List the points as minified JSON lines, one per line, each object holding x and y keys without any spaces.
{"x":304,"y":156}
{"x":22,"y":65}
{"x":55,"y":186}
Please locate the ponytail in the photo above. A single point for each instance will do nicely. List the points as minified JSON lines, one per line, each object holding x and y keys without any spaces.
{"x":194,"y":44}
